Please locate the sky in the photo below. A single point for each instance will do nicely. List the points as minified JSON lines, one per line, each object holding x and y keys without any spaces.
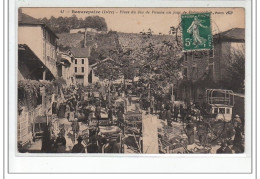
{"x":135,"y":20}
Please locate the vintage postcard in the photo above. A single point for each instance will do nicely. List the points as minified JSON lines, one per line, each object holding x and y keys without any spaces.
{"x":131,"y":80}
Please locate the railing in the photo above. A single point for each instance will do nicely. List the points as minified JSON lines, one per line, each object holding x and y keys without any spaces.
{"x":220,"y":96}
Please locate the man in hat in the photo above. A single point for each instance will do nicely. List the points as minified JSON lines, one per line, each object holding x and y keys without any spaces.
{"x":92,"y":146}
{"x":109,"y":148}
{"x":237,"y":120}
{"x":224,"y":149}
{"x":78,"y":148}
{"x":60,"y":143}
{"x":238,"y":139}
{"x":75,"y":127}
{"x":190,"y":131}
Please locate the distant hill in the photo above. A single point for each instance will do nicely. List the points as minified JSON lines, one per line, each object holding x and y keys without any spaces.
{"x":134,"y":40}
{"x":104,"y":45}
{"x":101,"y":44}
{"x":67,"y":40}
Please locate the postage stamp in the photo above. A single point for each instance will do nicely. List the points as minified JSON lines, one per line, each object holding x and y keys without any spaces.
{"x":196,"y":31}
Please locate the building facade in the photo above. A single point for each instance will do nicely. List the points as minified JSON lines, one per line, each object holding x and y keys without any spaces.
{"x":65,"y":67}
{"x":81,"y":65}
{"x":207,"y":68}
{"x":40,"y":39}
{"x":37,"y":61}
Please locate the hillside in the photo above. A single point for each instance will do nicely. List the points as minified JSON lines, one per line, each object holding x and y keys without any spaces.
{"x":111,"y":39}
{"x":132,"y":41}
{"x":108,"y":44}
{"x":70,"y":40}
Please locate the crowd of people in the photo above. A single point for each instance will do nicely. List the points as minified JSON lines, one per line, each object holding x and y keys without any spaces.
{"x":97,"y":142}
{"x":85,"y":105}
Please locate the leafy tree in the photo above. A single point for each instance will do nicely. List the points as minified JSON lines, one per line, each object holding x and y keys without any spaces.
{"x":107,"y":70}
{"x":234,"y":76}
{"x":64,"y":24}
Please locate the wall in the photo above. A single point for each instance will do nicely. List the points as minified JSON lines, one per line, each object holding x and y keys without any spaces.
{"x":217,"y":59}
{"x":196,"y":64}
{"x":79,"y":66}
{"x":67,"y":71}
{"x":239,"y":107}
{"x":222,"y":55}
{"x":41,"y":42}
{"x":72,"y":31}
{"x":49,"y":51}
{"x":32,"y":36}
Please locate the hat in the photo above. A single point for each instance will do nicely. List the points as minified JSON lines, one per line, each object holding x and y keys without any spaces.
{"x":80,"y":138}
{"x":224,"y":144}
{"x":237,"y":116}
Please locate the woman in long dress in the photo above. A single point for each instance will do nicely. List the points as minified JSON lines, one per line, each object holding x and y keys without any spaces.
{"x":194,"y":30}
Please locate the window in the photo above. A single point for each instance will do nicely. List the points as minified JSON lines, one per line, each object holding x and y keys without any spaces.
{"x":197,"y":54}
{"x":222,"y":110}
{"x":76,"y":61}
{"x":44,"y":33}
{"x":185,"y":72}
{"x":211,"y":71}
{"x":211,"y":54}
{"x":185,"y":56}
{"x":228,"y":110}
{"x":194,"y":72}
{"x":215,"y":110}
{"x":82,"y":69}
{"x":76,"y":70}
{"x":82,"y":60}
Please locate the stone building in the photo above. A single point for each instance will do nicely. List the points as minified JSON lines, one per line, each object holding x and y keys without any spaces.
{"x":206,"y":68}
{"x":37,"y":60}
{"x":40,"y":39}
{"x":65,"y":67}
{"x":81,"y":65}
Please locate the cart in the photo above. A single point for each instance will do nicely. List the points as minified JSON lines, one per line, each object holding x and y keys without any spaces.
{"x":217,"y":123}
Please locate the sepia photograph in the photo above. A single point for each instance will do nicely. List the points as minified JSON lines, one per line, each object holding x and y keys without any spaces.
{"x":131,"y":80}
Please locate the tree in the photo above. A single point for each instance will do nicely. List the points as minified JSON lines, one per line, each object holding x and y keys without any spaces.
{"x":95,"y":22}
{"x":63,"y":24}
{"x":107,"y":71}
{"x":234,"y":76}
{"x":73,"y":22}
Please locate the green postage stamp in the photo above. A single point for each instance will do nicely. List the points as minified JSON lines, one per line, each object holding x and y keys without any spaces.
{"x":196,"y":31}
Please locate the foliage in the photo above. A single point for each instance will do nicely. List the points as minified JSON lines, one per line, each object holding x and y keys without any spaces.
{"x":107,"y":70}
{"x":103,"y":46}
{"x":59,"y":82}
{"x":64,"y":24}
{"x":29,"y":90}
{"x":234,"y":77}
{"x":158,"y":61}
{"x":161,"y":61}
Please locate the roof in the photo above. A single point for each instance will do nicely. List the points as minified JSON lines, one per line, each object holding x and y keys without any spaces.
{"x":102,"y":61}
{"x":80,"y":52}
{"x":234,"y":35}
{"x":25,"y":19}
{"x":62,"y":60}
{"x":95,"y":65}
{"x":220,"y":105}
